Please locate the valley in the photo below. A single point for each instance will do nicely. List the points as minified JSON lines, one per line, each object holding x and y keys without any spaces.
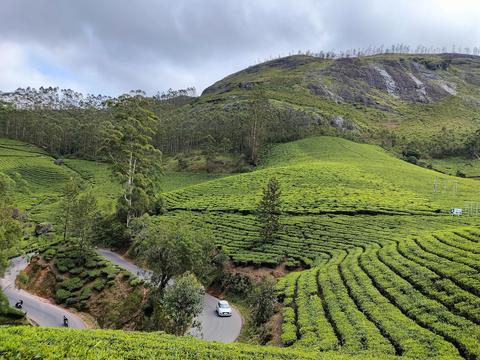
{"x":378,"y":265}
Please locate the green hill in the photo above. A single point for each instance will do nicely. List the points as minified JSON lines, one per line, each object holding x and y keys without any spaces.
{"x":431,"y":100}
{"x":332,"y":175}
{"x":40,"y":181}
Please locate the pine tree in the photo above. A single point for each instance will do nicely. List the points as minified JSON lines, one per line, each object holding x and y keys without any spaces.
{"x":268,"y":211}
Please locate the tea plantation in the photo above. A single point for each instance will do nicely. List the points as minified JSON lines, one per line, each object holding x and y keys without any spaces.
{"x":379,"y":267}
{"x":332,"y":175}
{"x":52,"y":343}
{"x":40,"y":181}
{"x":417,"y":297}
{"x":389,"y":271}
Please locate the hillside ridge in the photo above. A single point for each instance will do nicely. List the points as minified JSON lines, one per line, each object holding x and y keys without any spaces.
{"x":389,"y":99}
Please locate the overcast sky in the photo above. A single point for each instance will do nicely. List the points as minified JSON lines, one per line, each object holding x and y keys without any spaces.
{"x":112,"y":46}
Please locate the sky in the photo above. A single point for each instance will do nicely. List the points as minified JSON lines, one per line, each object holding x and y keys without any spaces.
{"x":113,"y":46}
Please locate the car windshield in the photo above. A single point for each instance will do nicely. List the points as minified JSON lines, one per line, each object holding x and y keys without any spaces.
{"x":223,"y":306}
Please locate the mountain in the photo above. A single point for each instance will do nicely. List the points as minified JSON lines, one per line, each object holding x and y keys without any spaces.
{"x":396,"y":98}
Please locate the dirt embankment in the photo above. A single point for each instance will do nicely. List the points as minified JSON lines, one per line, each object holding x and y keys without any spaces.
{"x":119,"y":305}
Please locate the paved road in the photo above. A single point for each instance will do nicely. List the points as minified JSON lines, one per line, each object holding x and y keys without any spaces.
{"x":225,"y":330}
{"x":38,"y":309}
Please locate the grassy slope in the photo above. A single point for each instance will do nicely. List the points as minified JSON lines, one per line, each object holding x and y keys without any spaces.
{"x":404,"y":177}
{"x":327,"y":174}
{"x":43,"y":181}
{"x":469,"y":167}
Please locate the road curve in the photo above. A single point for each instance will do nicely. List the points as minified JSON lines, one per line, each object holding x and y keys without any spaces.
{"x":38,"y":309}
{"x":225,"y":330}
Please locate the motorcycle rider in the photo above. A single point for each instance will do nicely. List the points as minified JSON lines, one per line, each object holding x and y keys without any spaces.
{"x":19,"y":304}
{"x":65,"y":321}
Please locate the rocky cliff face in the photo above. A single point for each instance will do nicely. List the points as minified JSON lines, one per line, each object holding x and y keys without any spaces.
{"x":358,"y":81}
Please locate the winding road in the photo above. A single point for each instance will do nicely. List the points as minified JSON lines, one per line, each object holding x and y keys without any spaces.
{"x":38,"y":309}
{"x":44,"y":313}
{"x":225,"y":330}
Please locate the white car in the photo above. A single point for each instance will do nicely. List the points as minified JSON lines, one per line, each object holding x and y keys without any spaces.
{"x":223,"y":308}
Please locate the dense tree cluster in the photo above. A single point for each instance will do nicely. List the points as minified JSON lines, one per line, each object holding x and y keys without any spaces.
{"x":179,"y":258}
{"x":80,"y":132}
{"x":52,"y":98}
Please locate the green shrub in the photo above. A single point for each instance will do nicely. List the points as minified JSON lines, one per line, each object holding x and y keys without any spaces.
{"x":9,"y":315}
{"x":110,"y":272}
{"x":136,"y":282}
{"x":22,"y":278}
{"x":93,"y":274}
{"x":72,"y":284}
{"x":412,"y":159}
{"x":81,"y":305}
{"x":91,"y":263}
{"x":289,"y":334}
{"x":49,"y":254}
{"x":75,"y":271}
{"x":86,"y":293}
{"x":71,"y":301}
{"x":64,"y":264}
{"x":76,"y":255}
{"x":62,"y":295}
{"x":99,"y":284}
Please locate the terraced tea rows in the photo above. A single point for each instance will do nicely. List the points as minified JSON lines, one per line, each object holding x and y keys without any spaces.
{"x":311,"y":189}
{"x":331,"y":175}
{"x":304,"y":240}
{"x":377,"y":298}
{"x":57,"y":343}
{"x":39,"y":180}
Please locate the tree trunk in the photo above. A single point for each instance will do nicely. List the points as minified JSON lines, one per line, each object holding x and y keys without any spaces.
{"x":129,"y":191}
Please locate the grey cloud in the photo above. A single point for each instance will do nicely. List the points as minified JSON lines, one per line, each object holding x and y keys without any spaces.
{"x":115,"y":45}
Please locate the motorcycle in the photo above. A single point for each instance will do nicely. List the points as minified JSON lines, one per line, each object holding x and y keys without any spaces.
{"x":65,"y":321}
{"x":19,"y":304}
